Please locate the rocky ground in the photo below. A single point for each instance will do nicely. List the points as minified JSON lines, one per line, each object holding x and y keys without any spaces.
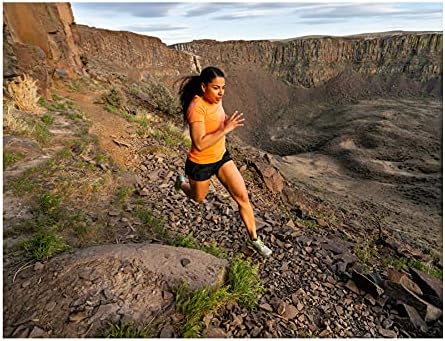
{"x":321,"y":281}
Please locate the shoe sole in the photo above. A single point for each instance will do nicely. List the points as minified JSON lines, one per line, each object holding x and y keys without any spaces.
{"x":253,"y":248}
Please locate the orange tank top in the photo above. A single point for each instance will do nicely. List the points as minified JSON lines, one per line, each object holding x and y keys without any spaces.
{"x":213,"y":117}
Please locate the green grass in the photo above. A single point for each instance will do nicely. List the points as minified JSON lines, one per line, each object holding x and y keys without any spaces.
{"x":47,"y":119}
{"x":44,"y":244}
{"x":243,"y":286}
{"x":185,"y":241}
{"x":310,"y":223}
{"x":244,"y":283}
{"x":214,"y":250}
{"x":400,"y":263}
{"x":154,"y":224}
{"x":189,"y":242}
{"x":366,"y":251}
{"x":41,"y":133}
{"x":396,"y":263}
{"x":22,"y":184}
{"x":197,"y":304}
{"x":10,"y":159}
{"x":48,"y":203}
{"x":124,"y":193}
{"x":429,"y":269}
{"x":126,"y":330}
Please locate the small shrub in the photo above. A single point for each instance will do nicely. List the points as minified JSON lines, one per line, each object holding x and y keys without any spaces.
{"x":115,"y":99}
{"x":14,"y":124}
{"x":45,"y":244}
{"x":23,"y":91}
{"x":366,"y":251}
{"x":157,"y":95}
{"x":128,"y":330}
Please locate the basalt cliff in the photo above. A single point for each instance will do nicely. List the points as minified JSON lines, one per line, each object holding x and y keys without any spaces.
{"x":45,"y":40}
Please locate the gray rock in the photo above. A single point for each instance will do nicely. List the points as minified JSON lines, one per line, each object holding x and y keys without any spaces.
{"x":388,"y":333}
{"x":167,"y":332}
{"x":429,"y":285}
{"x":290,"y":312}
{"x":416,"y":321}
{"x":366,"y":284}
{"x":352,"y":286}
{"x":398,"y":292}
{"x":216,"y":333}
{"x":401,"y":278}
{"x":38,"y":266}
{"x":78,"y":316}
{"x":266,"y":307}
{"x":37,"y":332}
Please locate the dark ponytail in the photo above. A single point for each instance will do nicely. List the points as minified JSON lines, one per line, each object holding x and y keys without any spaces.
{"x":191,"y":86}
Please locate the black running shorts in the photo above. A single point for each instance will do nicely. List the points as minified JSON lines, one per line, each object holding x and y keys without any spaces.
{"x":202,"y":172}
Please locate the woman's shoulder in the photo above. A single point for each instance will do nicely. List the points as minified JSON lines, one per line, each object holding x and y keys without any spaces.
{"x":199,"y":102}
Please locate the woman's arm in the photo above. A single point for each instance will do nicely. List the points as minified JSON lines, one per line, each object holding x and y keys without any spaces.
{"x":202,"y":141}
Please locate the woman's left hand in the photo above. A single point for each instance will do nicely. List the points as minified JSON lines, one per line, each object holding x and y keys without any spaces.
{"x":233,"y":121}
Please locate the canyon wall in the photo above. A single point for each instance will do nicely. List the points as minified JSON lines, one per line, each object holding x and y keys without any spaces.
{"x":42,"y":39}
{"x":38,"y":41}
{"x":133,"y":55}
{"x":310,"y":62}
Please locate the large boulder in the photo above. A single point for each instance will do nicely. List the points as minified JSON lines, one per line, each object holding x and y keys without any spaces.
{"x":78,"y":294}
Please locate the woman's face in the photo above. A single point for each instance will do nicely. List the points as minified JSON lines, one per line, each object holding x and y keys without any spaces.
{"x":214,"y":91}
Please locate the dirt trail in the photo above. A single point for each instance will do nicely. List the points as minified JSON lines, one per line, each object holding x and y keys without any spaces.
{"x":106,"y":126}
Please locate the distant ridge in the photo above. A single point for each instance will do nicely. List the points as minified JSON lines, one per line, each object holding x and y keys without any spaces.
{"x":361,"y":35}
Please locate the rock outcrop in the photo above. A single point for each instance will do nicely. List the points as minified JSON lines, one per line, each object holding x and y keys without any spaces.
{"x":133,"y":55}
{"x":38,"y":41}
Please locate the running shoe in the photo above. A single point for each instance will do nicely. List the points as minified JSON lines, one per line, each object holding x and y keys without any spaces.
{"x":259,"y":247}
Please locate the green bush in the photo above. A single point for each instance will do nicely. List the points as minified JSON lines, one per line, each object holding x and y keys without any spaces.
{"x":157,"y":95}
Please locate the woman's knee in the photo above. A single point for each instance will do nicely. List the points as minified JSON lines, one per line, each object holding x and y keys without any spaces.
{"x":242,"y":198}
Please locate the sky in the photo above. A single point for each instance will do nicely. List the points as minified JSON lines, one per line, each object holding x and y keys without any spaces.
{"x":176,"y":22}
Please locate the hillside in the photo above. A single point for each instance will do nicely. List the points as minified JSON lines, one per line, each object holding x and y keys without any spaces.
{"x":341,"y":155}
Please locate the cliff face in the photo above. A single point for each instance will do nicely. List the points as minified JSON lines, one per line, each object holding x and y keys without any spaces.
{"x":41,"y":39}
{"x":38,"y":41}
{"x":310,"y":62}
{"x":128,"y":53}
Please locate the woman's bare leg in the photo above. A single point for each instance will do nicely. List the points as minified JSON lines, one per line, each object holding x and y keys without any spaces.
{"x":196,"y":190}
{"x":233,"y":181}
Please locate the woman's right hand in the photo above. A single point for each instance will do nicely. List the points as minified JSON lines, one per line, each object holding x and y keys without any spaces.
{"x":234,"y":121}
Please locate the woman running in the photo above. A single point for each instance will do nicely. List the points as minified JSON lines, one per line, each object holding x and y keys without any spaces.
{"x":201,"y":102}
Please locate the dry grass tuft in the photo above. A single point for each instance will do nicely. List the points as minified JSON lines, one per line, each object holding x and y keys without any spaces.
{"x":14,"y":124}
{"x":23,"y":91}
